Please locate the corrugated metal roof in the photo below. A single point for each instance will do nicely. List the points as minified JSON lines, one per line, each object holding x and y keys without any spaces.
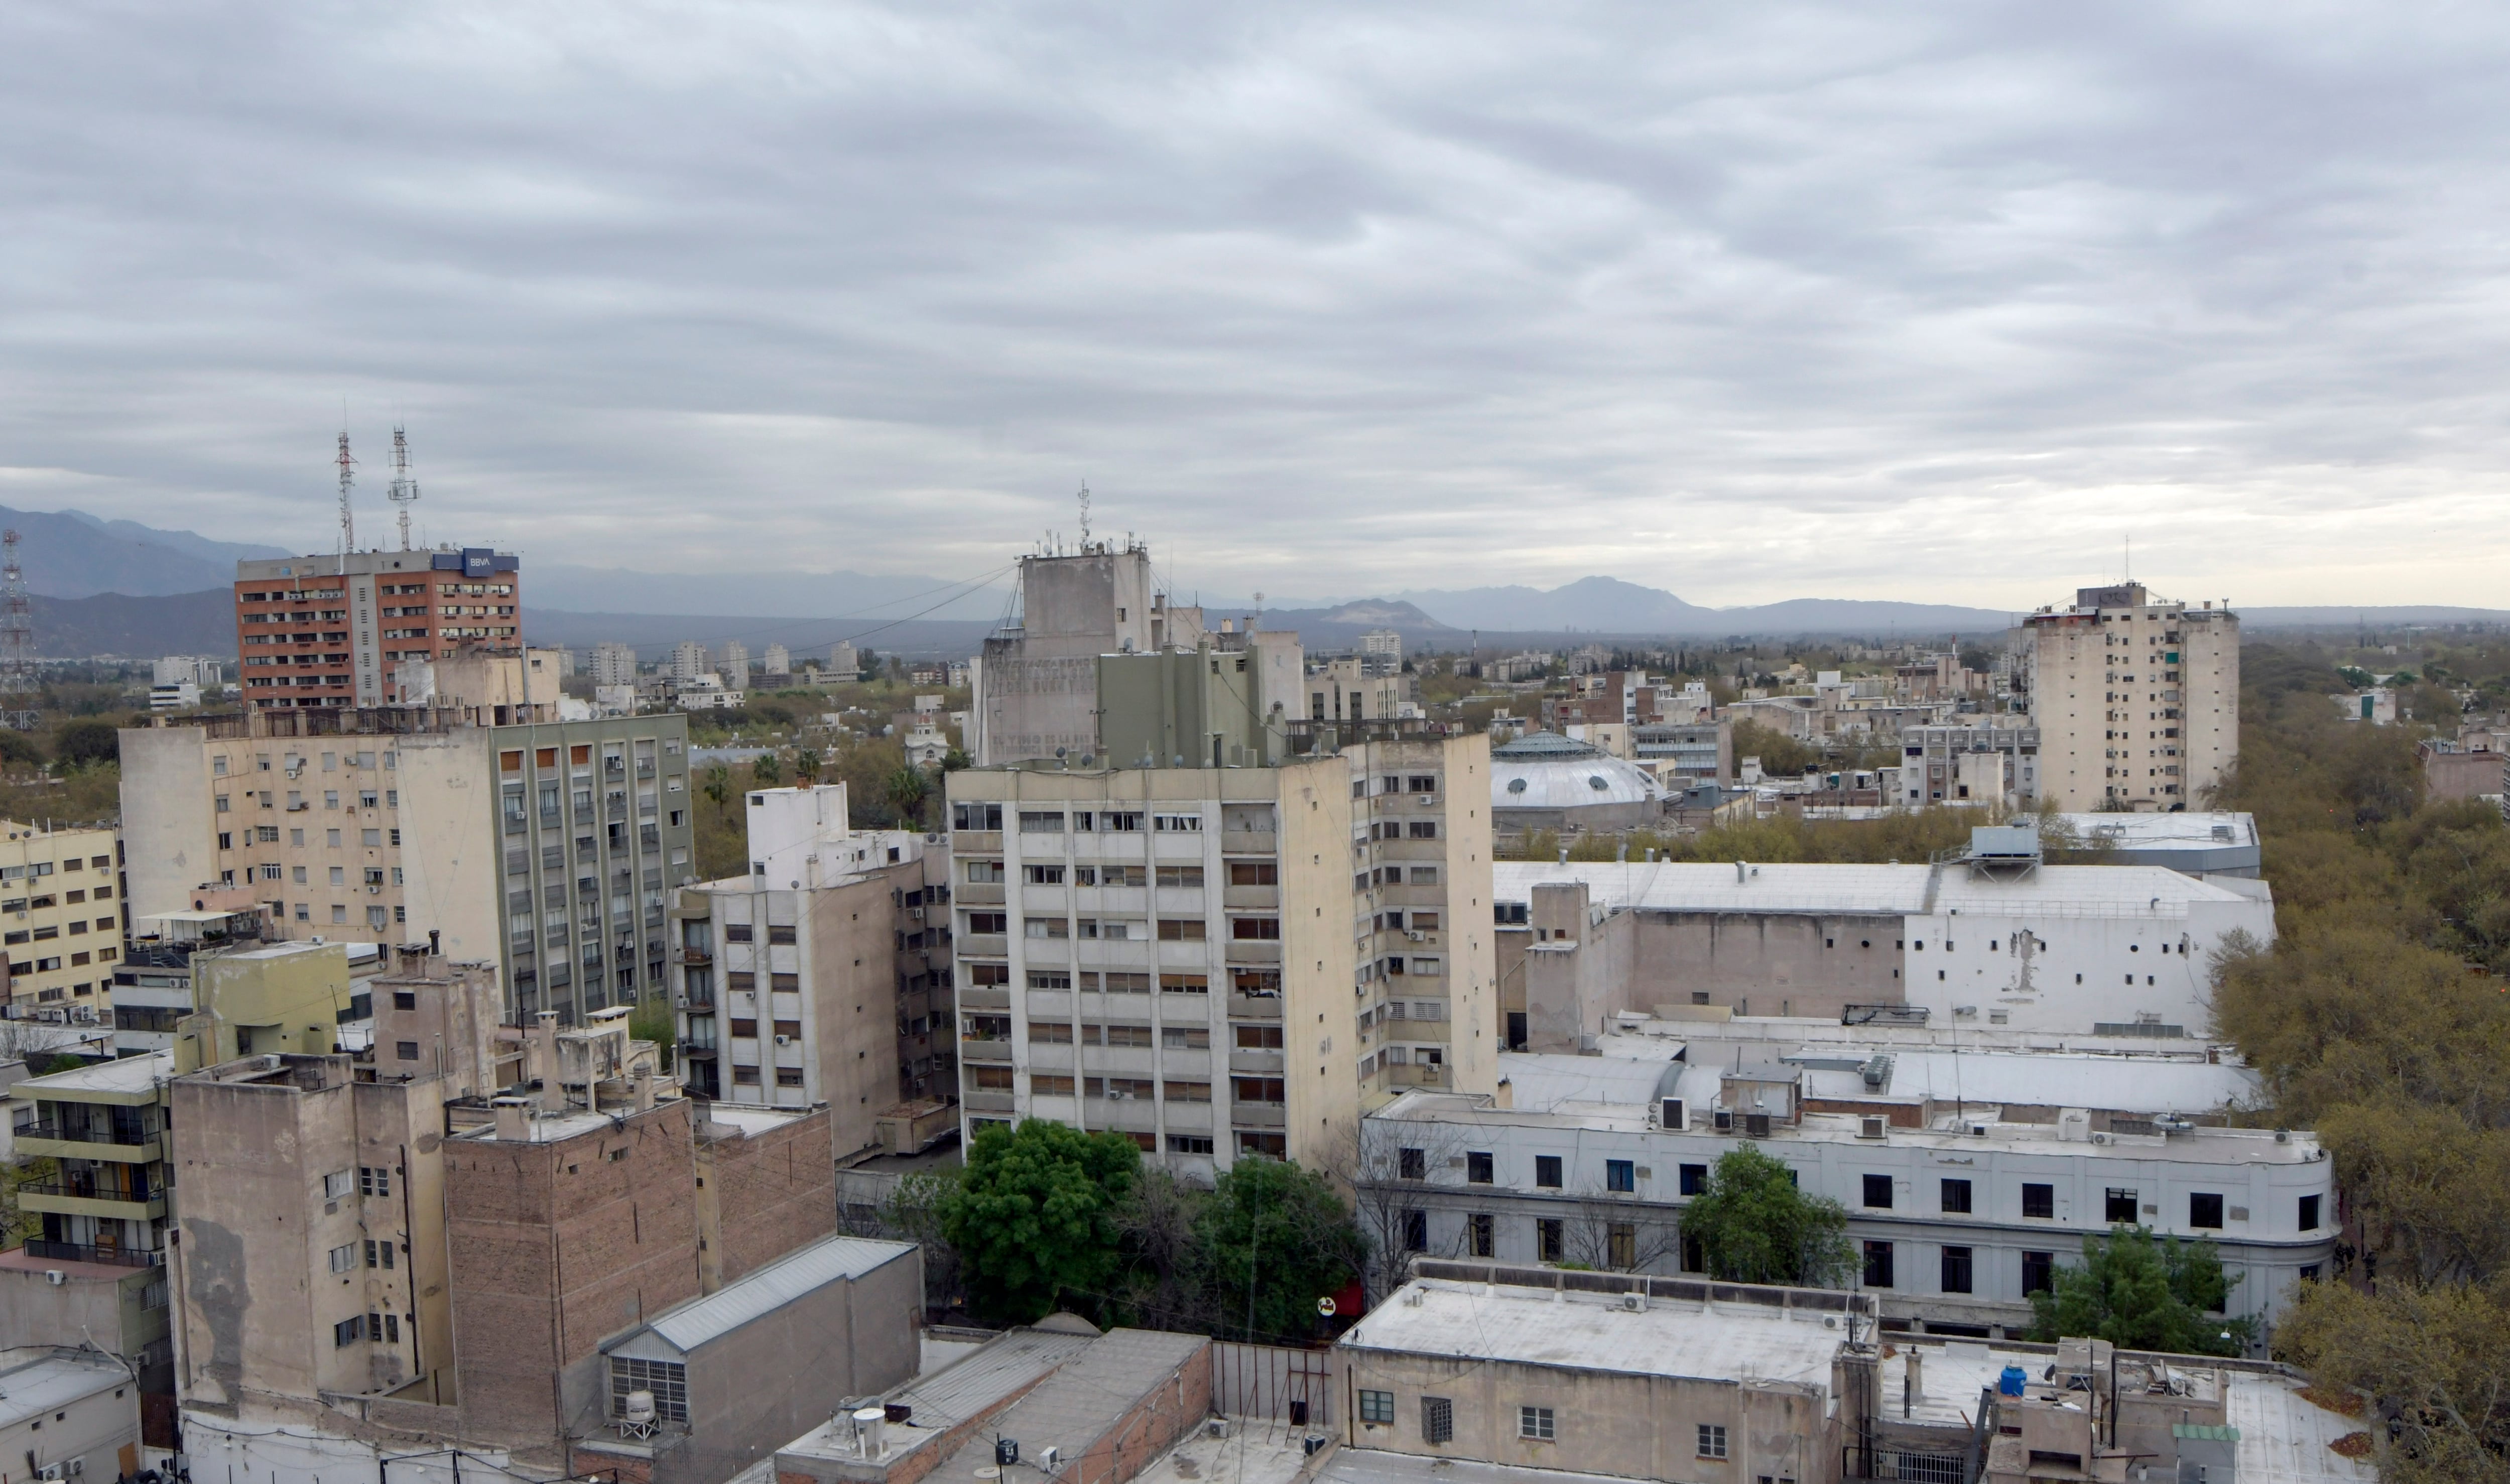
{"x":689,"y":1325}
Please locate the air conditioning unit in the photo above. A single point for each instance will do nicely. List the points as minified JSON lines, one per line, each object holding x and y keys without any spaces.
{"x":55,"y":1277}
{"x":1415,"y":935}
{"x":1215,"y":1426}
{"x":49,"y":1471}
{"x":1725,"y":1120}
{"x":784,"y":1040}
{"x":1634,"y":1303}
{"x":1673,"y":1114}
{"x":1756,"y":1124}
{"x":1870,"y":1126}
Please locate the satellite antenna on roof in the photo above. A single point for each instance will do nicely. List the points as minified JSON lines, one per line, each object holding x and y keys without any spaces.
{"x":404,"y":491}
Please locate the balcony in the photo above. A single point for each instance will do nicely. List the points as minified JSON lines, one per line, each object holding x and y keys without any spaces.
{"x":1258,"y":1116}
{"x":990,"y":1051}
{"x":985,"y":1102}
{"x":984,"y":945}
{"x":82,"y":1198}
{"x":1247,"y":842}
{"x":981,"y":894}
{"x":1254,"y":1061}
{"x":1250,"y":896}
{"x":122,"y":1146}
{"x":1254,"y":951}
{"x":75,"y":1252}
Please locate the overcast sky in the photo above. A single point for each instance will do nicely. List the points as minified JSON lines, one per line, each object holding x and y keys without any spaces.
{"x":1750,"y":302}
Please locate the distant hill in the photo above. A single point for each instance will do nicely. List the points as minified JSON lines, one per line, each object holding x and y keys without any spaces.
{"x":767,"y":593}
{"x":137,"y":628}
{"x":69,"y":554}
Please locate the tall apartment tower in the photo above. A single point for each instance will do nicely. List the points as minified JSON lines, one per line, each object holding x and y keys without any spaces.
{"x":1036,"y":682}
{"x":688,"y":660}
{"x":815,"y":977}
{"x":736,"y":666}
{"x":614,"y":664}
{"x":2136,"y":700}
{"x":1233,"y":954}
{"x":330,"y":630}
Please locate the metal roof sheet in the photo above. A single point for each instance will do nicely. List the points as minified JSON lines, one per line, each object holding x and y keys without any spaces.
{"x":689,"y":1325}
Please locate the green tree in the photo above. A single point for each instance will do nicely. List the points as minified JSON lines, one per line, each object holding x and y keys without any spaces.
{"x":2144,"y":1294}
{"x":1034,"y":1217}
{"x":82,"y":743}
{"x":806,"y":767}
{"x":1276,"y":1237}
{"x":765,"y":772}
{"x":2424,"y":1366}
{"x":718,"y":787}
{"x":65,"y":1062}
{"x":16,"y":746}
{"x":906,"y":790}
{"x":1754,"y":1225}
{"x":1780,"y":755}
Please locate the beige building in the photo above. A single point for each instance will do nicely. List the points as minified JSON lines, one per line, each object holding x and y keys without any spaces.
{"x":2136,"y":700}
{"x":544,"y":846}
{"x":60,"y":918}
{"x":797,"y":982}
{"x":1037,"y":681}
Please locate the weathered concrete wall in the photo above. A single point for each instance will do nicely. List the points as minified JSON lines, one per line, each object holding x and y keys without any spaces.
{"x":1784,"y":963}
{"x":170,"y":830}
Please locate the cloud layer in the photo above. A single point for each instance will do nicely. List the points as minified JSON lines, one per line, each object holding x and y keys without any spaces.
{"x":1935,"y":303}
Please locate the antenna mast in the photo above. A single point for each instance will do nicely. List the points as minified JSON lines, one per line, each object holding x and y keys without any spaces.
{"x":17,"y":635}
{"x":404,"y":491}
{"x":348,"y":522}
{"x":1085,"y":515}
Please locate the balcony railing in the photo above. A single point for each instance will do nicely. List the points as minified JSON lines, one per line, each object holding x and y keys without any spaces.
{"x":86,"y":1134}
{"x":90,"y":1189}
{"x":75,"y":1252}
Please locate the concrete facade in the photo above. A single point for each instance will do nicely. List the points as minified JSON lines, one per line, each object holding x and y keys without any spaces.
{"x":1036,"y":682}
{"x":330,"y":630}
{"x":67,"y":1414}
{"x":2158,"y":680}
{"x":64,"y":919}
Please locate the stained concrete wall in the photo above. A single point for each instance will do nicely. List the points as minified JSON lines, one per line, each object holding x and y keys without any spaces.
{"x":773,"y":1191}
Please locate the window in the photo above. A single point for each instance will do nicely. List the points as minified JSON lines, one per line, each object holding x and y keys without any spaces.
{"x":1044,"y":876}
{"x":2039,"y":1201}
{"x":348,"y":1331}
{"x":1179,"y":875}
{"x":336,"y":1186}
{"x":379,"y":1250}
{"x":1547,"y":1172}
{"x":1694,"y":1179}
{"x":1549,"y":1239}
{"x":1878,"y":1264}
{"x":1176,"y":824}
{"x":1479,"y":1167}
{"x":1377,"y":1408}
{"x":1482,"y":1232}
{"x":1957,"y":1269}
{"x":2205,"y":1211}
{"x":975,"y":817}
{"x":1534,"y":1423}
{"x":977,"y":921}
{"x":1956,"y":1197}
{"x":1258,"y":1038}
{"x":1182,"y":930}
{"x":1712,"y":1441}
{"x":405,"y":1051}
{"x":1188,"y":1093}
{"x":1416,"y":1230}
{"x":1267,"y":1090}
{"x":1621,"y":1246}
{"x":668,"y":1379}
{"x":1412,"y":1165}
{"x":2309,"y":1213}
{"x":1878,"y":1192}
{"x":2038,"y":1270}
{"x":1201,"y":1144}
{"x":344,"y":1257}
{"x":1255,"y":929}
{"x":1422,"y":829}
{"x":1253,"y":873}
{"x":1437,"y":1420}
{"x":2119,"y":1208}
{"x":1621,"y":1175}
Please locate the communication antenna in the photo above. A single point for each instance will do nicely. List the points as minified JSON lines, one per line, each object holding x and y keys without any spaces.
{"x":17,"y":635}
{"x":1085,"y":515}
{"x":348,"y":522}
{"x":403,"y":490}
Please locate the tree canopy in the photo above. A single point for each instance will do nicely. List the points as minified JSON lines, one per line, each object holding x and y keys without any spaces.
{"x":2144,"y":1294}
{"x":1033,"y":1215}
{"x":1276,"y":1239}
{"x":1753,"y":1226}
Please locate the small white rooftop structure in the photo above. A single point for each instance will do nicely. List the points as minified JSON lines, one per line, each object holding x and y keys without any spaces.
{"x":31,"y":1387}
{"x":1707,"y":1341}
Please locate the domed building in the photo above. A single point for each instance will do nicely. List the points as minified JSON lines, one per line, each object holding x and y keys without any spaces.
{"x":1544,"y":781}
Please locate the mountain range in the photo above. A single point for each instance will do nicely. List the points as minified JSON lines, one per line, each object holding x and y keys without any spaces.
{"x":70,"y":553}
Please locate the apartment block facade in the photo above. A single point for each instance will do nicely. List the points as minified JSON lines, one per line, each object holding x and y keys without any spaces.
{"x":106,"y":1125}
{"x":545,"y":847}
{"x":1166,"y":953}
{"x":61,"y":920}
{"x":328,"y":630}
{"x":816,"y":978}
{"x":2136,"y":699}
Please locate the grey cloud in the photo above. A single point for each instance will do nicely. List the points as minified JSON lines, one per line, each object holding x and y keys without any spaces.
{"x":1929,"y":303}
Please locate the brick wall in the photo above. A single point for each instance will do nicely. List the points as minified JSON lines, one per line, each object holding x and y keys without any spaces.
{"x":776,"y":1190}
{"x":1150,"y":1428}
{"x":555,"y":1247}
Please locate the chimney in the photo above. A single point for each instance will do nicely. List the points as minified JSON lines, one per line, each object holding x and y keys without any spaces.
{"x":642,"y":1084}
{"x":513,"y":1118}
{"x":432,"y":948}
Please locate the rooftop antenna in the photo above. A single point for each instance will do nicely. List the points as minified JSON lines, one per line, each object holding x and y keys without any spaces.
{"x":1085,"y":515}
{"x":403,"y":490}
{"x":348,"y":522}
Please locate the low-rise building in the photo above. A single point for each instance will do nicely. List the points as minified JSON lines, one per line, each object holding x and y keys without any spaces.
{"x":1685,"y":752}
{"x":1967,"y":1178}
{"x":1543,"y":781}
{"x":69,"y":1413}
{"x":2466,"y":768}
{"x":1979,"y":764}
{"x":60,"y":918}
{"x":105,"y":1124}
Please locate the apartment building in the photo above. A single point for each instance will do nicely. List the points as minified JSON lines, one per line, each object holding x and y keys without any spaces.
{"x":1980,"y":764}
{"x":105,"y":1124}
{"x":545,"y":847}
{"x":330,"y":630}
{"x":614,"y":664}
{"x":1167,"y":953}
{"x":778,"y":662}
{"x":2159,"y":681}
{"x":1356,"y":689}
{"x":1686,"y":753}
{"x":1968,"y":1179}
{"x":61,"y":920}
{"x":817,"y":976}
{"x":1036,"y":681}
{"x":688,"y":660}
{"x":734,"y":668}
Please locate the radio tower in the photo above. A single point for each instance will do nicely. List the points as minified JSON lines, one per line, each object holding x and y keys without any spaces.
{"x":17,"y":635}
{"x":348,"y":522}
{"x":404,"y":491}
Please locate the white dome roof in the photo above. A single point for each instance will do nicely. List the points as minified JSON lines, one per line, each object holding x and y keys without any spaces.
{"x":1544,"y":770}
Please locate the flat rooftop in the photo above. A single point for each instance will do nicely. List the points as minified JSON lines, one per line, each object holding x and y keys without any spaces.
{"x":1592,"y":1332}
{"x":31,"y":1387}
{"x":1797,"y":1037}
{"x":959,"y":1392}
{"x":2150,"y":892}
{"x":122,"y":1077}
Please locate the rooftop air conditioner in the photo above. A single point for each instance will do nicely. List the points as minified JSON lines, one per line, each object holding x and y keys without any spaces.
{"x":1870,"y":1126}
{"x":1634,"y":1303}
{"x":784,"y":1040}
{"x":1672,"y":1115}
{"x":1756,"y":1124}
{"x":1725,"y":1120}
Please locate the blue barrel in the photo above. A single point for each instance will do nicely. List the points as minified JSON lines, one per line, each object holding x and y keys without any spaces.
{"x":2012,"y":1381}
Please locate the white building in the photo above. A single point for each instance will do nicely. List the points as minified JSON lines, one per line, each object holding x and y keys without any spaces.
{"x":843,"y":660}
{"x":736,"y":666}
{"x":69,"y":1414}
{"x":1968,"y":765}
{"x":1967,"y":1176}
{"x":2158,"y":680}
{"x":706,"y":692}
{"x":1382,"y":641}
{"x":778,"y":660}
{"x":614,"y":664}
{"x":173,"y":696}
{"x":688,"y":660}
{"x":191,"y":670}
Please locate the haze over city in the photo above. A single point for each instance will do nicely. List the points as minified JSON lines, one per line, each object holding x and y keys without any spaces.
{"x":1799,"y":301}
